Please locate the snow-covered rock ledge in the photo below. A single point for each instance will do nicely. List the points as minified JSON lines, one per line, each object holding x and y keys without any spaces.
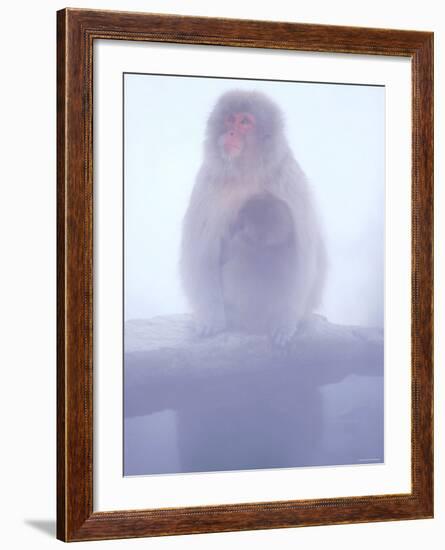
{"x":168,"y":367}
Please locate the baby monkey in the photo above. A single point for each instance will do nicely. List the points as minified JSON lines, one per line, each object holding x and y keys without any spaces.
{"x":258,"y":266}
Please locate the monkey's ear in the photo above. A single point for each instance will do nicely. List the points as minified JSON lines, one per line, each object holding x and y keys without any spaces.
{"x":267,"y":139}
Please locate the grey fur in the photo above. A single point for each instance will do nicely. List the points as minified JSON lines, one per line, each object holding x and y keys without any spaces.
{"x":229,"y":279}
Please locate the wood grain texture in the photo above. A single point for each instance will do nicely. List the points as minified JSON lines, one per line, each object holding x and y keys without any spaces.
{"x":76,"y":31}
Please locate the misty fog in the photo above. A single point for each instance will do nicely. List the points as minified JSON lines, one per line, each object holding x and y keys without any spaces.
{"x":337,"y":135}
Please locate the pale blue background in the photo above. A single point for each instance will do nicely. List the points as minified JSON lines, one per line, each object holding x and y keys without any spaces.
{"x":337,"y":134}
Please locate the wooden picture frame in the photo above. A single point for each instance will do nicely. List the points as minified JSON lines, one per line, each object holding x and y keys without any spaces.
{"x":76,"y":32}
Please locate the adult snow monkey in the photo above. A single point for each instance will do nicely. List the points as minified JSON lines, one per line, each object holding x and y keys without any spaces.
{"x":252,"y":255}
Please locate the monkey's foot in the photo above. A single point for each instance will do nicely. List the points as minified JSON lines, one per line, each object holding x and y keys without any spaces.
{"x":210,"y":325}
{"x":283,"y":334}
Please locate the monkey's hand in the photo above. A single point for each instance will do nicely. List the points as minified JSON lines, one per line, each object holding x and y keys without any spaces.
{"x":211,"y":323}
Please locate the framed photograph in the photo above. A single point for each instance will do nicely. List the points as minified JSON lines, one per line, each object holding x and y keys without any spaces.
{"x":245,"y":275}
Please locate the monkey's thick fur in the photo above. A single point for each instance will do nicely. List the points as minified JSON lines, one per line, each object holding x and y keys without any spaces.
{"x":252,"y":255}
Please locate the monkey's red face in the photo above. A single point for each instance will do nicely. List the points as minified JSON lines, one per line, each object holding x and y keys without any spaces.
{"x":238,"y":126}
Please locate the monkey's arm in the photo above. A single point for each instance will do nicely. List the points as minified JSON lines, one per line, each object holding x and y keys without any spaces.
{"x":200,"y":262}
{"x":310,"y":267}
